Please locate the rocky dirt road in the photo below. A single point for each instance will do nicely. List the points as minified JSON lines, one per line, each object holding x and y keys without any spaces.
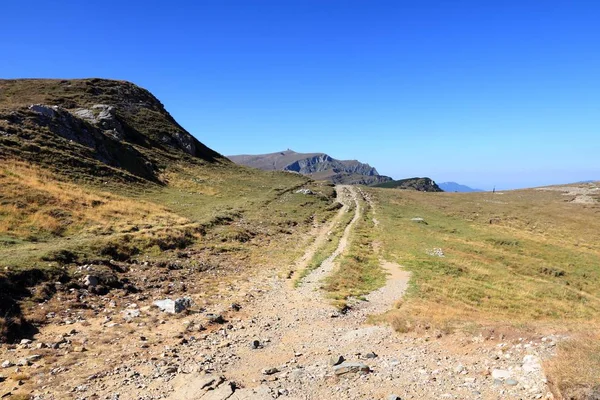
{"x":282,"y":341}
{"x":291,"y":343}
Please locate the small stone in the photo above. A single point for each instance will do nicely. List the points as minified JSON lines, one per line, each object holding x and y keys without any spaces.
{"x":531,"y":363}
{"x":26,"y":341}
{"x":500,"y":374}
{"x":459,"y":368}
{"x":270,"y":371}
{"x":91,"y":281}
{"x":336,"y":360}
{"x":394,"y":397}
{"x":215,"y":318}
{"x":23,"y":362}
{"x":511,"y":382}
{"x":371,"y":355}
{"x":236,"y":307}
{"x":255,"y":344}
{"x":174,"y":306}
{"x":7,"y":364}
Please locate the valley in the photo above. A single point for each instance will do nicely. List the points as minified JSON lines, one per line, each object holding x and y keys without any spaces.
{"x":137,"y":263}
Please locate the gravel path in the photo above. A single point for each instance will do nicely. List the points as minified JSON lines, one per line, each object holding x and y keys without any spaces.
{"x":279,"y":341}
{"x":290,"y":338}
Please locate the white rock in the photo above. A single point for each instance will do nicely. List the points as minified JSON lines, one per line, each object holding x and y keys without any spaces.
{"x":501,"y":374}
{"x":531,"y":363}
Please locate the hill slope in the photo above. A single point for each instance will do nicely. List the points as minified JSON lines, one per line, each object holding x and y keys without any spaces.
{"x":96,"y":173}
{"x":91,"y":127}
{"x":456,"y":187}
{"x":320,"y":166}
{"x":419,"y":184}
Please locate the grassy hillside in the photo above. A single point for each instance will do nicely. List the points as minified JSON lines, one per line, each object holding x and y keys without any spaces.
{"x":101,"y":179}
{"x":523,"y":256}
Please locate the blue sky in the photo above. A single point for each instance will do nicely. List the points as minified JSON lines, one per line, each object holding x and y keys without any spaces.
{"x":484,"y":93}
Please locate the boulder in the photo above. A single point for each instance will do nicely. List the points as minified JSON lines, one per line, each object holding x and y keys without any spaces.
{"x":91,"y":281}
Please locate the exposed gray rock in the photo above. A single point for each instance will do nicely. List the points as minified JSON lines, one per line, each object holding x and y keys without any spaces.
{"x":215,"y":318}
{"x":174,"y":306}
{"x":305,"y":191}
{"x":91,"y":281}
{"x":48,"y":111}
{"x":129,"y":314}
{"x":270,"y":371}
{"x":351,"y":368}
{"x":23,"y":362}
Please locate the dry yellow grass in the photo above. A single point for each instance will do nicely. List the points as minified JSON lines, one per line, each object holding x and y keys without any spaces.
{"x":34,"y":204}
{"x":574,"y":372}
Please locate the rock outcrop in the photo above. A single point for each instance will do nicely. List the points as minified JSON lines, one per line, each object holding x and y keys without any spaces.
{"x":93,"y":128}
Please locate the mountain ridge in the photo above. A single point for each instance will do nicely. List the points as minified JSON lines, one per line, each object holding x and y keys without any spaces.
{"x":320,"y":166}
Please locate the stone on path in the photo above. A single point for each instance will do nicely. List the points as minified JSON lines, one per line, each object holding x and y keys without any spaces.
{"x":336,"y":360}
{"x":351,"y":368}
{"x":531,"y":363}
{"x":270,"y":371}
{"x":501,"y":374}
{"x":174,"y":306}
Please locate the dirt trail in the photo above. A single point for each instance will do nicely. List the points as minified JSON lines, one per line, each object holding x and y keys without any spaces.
{"x":281,"y":343}
{"x":299,"y":333}
{"x":311,"y":282}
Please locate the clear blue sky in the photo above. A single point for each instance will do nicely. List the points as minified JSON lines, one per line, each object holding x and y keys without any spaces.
{"x":478,"y":92}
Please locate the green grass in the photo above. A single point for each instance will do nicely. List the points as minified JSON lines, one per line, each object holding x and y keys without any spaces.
{"x":519,"y":256}
{"x":358,"y":269}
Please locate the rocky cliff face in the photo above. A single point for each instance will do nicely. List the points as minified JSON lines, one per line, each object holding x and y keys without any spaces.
{"x":318,"y":165}
{"x":420,"y":184}
{"x":93,"y":127}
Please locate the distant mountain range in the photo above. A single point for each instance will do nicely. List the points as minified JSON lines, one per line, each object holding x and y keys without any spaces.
{"x":319,"y":166}
{"x":420,"y":184}
{"x":456,"y":187}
